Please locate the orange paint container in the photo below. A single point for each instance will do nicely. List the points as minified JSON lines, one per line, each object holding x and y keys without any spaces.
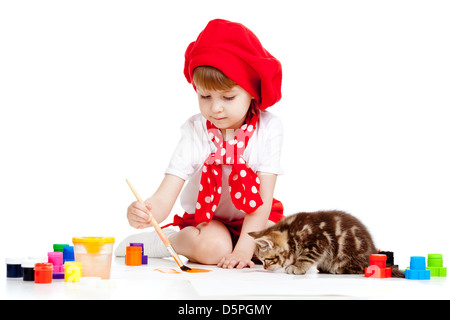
{"x":133,"y":256}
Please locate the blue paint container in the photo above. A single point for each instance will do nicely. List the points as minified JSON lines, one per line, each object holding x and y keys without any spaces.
{"x":68,"y":254}
{"x":14,"y":268}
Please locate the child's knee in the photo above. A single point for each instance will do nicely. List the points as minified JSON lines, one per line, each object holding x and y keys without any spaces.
{"x":213,"y":250}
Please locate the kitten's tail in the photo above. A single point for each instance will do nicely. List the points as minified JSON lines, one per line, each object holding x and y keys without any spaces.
{"x":395,"y":273}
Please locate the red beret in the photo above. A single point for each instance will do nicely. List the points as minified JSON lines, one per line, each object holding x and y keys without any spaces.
{"x":237,"y":52}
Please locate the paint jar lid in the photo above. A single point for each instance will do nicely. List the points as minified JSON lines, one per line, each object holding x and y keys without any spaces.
{"x":93,"y":244}
{"x":54,"y":254}
{"x":134,"y":249}
{"x":14,"y":260}
{"x":43,"y":266}
{"x":93,"y":240}
{"x":29,"y":263}
{"x":58,"y":247}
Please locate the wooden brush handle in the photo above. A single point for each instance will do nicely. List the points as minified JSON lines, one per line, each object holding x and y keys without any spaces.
{"x":154,"y":223}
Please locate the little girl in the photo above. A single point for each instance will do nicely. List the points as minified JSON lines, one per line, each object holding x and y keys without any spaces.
{"x":229,"y":154}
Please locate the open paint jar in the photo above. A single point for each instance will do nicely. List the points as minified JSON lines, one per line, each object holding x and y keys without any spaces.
{"x":95,"y":254}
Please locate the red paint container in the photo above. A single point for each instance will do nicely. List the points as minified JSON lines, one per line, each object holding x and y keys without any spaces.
{"x":43,"y":273}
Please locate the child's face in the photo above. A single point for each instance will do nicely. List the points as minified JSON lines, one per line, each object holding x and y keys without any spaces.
{"x":225,"y":109}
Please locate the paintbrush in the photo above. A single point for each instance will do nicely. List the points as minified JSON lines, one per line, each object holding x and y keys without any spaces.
{"x":160,"y":233}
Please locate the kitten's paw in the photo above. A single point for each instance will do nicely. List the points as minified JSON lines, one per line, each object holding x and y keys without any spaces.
{"x":294,"y":270}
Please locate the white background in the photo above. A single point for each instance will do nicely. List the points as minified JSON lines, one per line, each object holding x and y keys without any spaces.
{"x":93,"y":92}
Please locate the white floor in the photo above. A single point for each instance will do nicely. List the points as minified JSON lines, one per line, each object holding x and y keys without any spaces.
{"x":143,"y":282}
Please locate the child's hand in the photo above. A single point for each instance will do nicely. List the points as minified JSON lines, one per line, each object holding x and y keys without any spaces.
{"x":137,"y":215}
{"x":236,"y":259}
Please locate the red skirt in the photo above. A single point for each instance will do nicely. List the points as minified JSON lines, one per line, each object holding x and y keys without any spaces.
{"x":234,"y":226}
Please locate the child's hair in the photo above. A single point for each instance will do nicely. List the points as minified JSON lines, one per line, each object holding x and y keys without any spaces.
{"x":210,"y":78}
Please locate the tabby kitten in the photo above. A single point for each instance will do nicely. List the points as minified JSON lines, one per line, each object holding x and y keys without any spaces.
{"x":335,"y":241}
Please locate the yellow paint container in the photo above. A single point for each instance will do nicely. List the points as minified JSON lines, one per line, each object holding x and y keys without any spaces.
{"x":95,"y":254}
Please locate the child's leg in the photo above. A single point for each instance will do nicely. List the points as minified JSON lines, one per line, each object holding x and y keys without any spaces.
{"x":206,"y":243}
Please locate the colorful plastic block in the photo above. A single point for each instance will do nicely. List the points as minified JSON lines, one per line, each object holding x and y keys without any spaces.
{"x":417,"y":270}
{"x":390,"y":259}
{"x":435,"y":265}
{"x":73,"y":271}
{"x":377,"y":268}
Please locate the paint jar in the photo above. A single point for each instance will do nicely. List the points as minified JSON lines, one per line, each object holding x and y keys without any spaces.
{"x":72,"y":271}
{"x":68,"y":254}
{"x":58,"y":247}
{"x":133,"y":256}
{"x":139,"y":244}
{"x":95,"y":253}
{"x":14,"y":268}
{"x":28,"y":269}
{"x":43,"y":273}
{"x":56,"y":258}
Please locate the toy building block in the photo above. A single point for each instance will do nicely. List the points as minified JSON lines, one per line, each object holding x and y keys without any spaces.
{"x":435,"y":265}
{"x":377,"y":268}
{"x":390,"y":259}
{"x":72,"y":271}
{"x":417,"y":270}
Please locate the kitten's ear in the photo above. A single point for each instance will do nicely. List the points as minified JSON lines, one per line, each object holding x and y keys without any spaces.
{"x":255,"y":234}
{"x":264,"y":243}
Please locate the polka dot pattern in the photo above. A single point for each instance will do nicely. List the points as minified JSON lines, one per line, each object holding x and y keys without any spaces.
{"x":243,"y":182}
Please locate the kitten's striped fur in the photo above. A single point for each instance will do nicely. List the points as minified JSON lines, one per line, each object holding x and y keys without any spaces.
{"x":335,"y":241}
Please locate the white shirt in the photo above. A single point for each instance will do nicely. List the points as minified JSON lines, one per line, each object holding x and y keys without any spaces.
{"x":263,"y":153}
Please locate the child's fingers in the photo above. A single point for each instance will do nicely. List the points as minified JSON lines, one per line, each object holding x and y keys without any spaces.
{"x":138,"y":212}
{"x":243,"y":264}
{"x":220,"y":264}
{"x":139,"y":216}
{"x":143,"y":226}
{"x":229,"y":263}
{"x":142,"y":207}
